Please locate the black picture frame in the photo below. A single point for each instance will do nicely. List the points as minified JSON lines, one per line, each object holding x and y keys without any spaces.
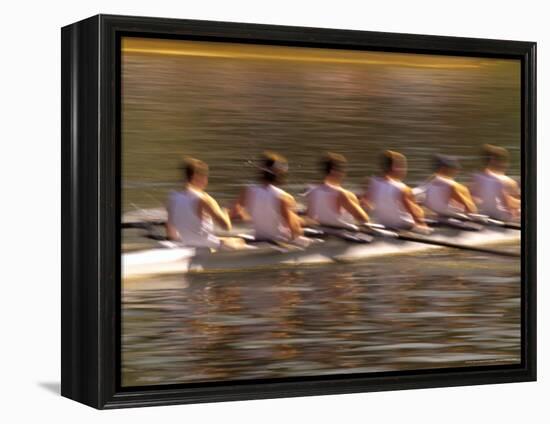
{"x":91,"y":210}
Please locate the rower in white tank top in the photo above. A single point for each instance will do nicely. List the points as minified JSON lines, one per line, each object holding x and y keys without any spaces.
{"x":270,"y":209}
{"x":194,"y":230}
{"x":443,"y":194}
{"x":385,"y":195}
{"x":438,"y":196}
{"x":392,"y":201}
{"x":496,"y":194}
{"x":323,"y":205}
{"x":329,"y":203}
{"x":489,"y":189}
{"x":263,"y":204}
{"x":192,"y":212}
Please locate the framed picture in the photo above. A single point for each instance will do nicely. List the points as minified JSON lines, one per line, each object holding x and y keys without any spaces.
{"x":254,"y":211}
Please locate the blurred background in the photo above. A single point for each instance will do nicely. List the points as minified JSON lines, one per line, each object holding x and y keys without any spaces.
{"x":225,"y":103}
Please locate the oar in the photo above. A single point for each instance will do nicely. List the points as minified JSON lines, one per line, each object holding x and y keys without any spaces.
{"x":141,"y":224}
{"x":426,"y":240}
{"x":503,"y":224}
{"x":485,"y":219}
{"x":312,"y":233}
{"x":408,"y":236}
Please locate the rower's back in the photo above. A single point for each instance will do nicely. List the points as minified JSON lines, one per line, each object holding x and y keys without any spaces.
{"x":443,"y":195}
{"x":492,"y":188}
{"x":263,"y":203}
{"x":324,"y":207}
{"x":385,"y":195}
{"x":438,"y":195}
{"x":488,"y":189}
{"x":194,"y":230}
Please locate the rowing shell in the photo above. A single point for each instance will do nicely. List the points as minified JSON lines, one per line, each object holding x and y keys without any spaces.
{"x":180,"y":260}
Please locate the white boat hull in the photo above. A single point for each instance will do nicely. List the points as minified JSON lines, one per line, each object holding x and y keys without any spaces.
{"x":182,"y":260}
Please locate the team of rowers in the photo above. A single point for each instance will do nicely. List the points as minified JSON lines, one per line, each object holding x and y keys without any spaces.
{"x":272,"y":212}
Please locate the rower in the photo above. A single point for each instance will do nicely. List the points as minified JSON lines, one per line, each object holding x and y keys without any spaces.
{"x":192,"y":212}
{"x":270,"y":209}
{"x":391,"y":201}
{"x":443,"y":195}
{"x":496,"y":194}
{"x":329,"y":203}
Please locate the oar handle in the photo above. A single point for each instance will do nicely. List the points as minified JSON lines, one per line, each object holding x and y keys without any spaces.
{"x":374,"y":226}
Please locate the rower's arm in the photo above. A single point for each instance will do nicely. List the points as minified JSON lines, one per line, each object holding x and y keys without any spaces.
{"x":171,"y":231}
{"x":307,"y":196}
{"x":511,"y":196}
{"x":365,"y":200}
{"x":412,"y":207}
{"x":292,"y":220}
{"x":238,"y":211}
{"x":474,"y":190}
{"x":462,"y":195}
{"x":351,"y":204}
{"x":219,"y":215}
{"x":309,"y":217}
{"x":512,"y":188}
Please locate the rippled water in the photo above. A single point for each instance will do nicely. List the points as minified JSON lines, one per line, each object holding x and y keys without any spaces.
{"x":437,"y":309}
{"x":454,"y":309}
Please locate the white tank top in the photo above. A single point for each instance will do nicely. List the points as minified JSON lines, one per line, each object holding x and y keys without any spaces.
{"x":438,"y":195}
{"x":194,"y":231}
{"x":322,"y":206}
{"x":263,"y":203}
{"x":386,"y":197}
{"x":488,"y":189}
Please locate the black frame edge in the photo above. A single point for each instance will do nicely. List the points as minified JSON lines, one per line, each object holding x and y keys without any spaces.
{"x":80,"y":320}
{"x":529,"y":165}
{"x":159,"y":396}
{"x":90,"y":228}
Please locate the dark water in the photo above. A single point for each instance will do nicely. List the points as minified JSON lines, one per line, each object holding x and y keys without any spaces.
{"x":409,"y":312}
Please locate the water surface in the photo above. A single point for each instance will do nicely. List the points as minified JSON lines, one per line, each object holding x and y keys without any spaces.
{"x":439,"y":309}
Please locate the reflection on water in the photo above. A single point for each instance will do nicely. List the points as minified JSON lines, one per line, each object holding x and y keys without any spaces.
{"x":433,"y":310}
{"x":455,"y":310}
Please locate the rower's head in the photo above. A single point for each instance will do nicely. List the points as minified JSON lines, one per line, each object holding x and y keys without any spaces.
{"x":496,"y":158}
{"x":394,"y":164}
{"x":274,"y":168}
{"x":196,"y":172}
{"x":334,"y":166}
{"x":447,"y":166}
